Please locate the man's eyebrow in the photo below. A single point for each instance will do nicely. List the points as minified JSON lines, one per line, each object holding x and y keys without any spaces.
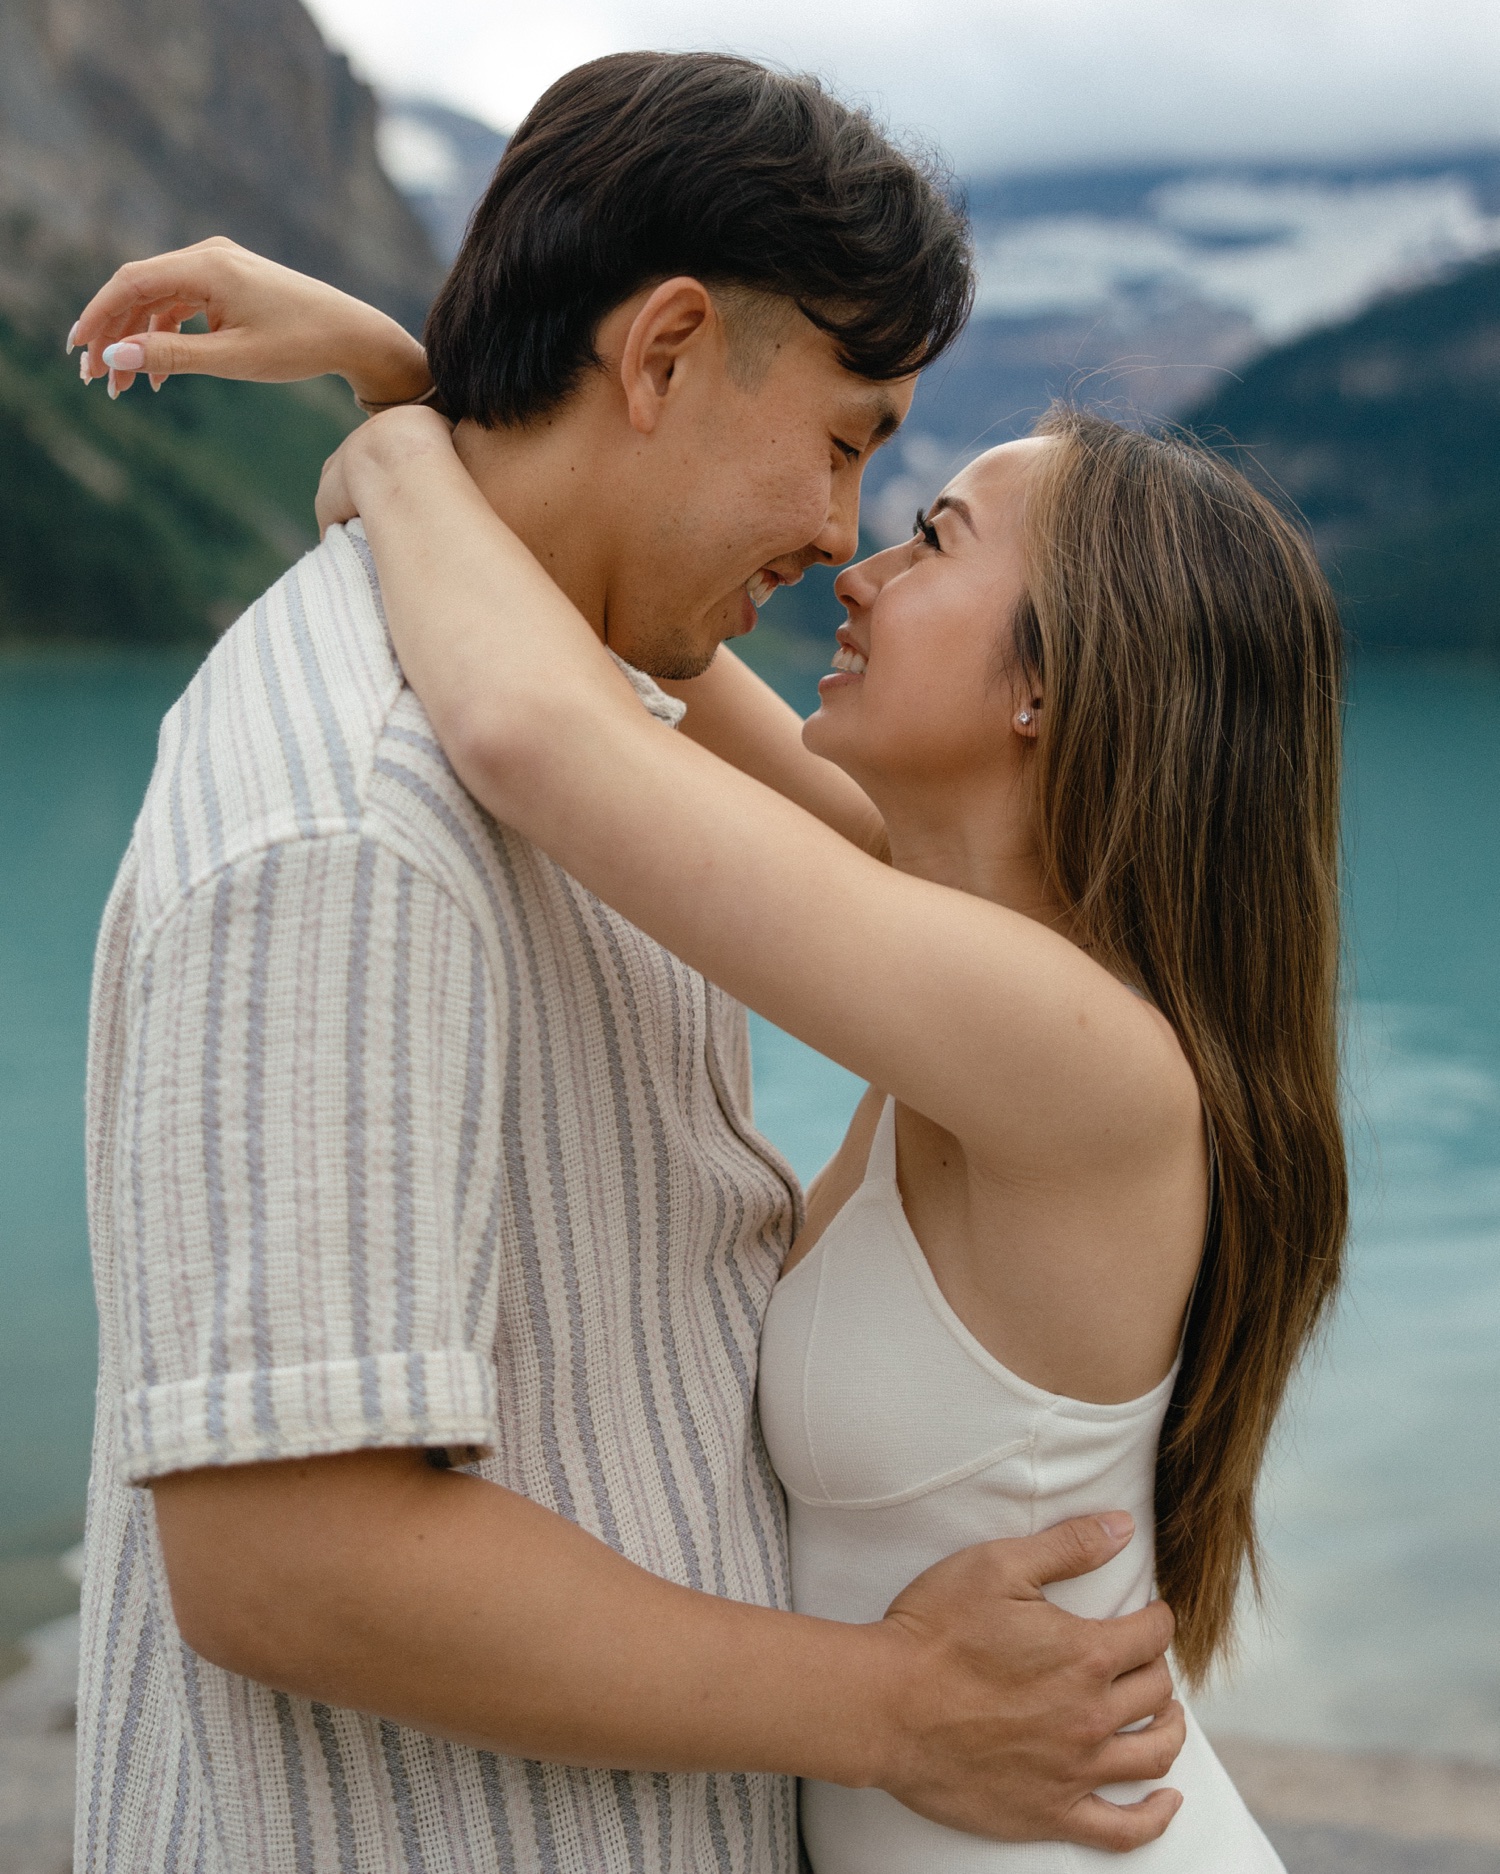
{"x":951,"y":503}
{"x":882,"y":415}
{"x":887,"y":422}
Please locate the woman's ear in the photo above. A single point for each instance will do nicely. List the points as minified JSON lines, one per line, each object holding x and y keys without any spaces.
{"x":675,"y":319}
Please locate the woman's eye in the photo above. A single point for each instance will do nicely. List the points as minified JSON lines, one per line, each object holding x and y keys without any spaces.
{"x":847,"y":450}
{"x":923,"y":530}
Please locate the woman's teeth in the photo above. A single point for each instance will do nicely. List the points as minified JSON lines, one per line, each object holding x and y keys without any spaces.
{"x":847,"y":658}
{"x":760,"y":586}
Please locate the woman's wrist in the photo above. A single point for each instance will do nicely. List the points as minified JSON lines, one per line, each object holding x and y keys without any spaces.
{"x":380,"y":360}
{"x":843,"y":1722}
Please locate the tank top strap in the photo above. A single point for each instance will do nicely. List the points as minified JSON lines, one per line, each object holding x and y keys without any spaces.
{"x":880,"y":1168}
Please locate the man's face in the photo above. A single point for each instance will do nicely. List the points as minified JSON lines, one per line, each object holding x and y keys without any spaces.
{"x":752,"y":476}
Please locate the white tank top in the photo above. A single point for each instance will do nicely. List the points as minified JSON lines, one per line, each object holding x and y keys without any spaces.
{"x":899,"y":1439}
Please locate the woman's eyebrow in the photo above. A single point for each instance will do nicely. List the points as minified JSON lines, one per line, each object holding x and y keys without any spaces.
{"x":947,"y":503}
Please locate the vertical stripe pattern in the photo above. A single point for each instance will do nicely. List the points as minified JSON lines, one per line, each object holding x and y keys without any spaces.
{"x":397,"y":1136}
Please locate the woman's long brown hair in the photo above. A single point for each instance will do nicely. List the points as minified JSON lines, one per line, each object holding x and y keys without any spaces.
{"x":1191,"y":659}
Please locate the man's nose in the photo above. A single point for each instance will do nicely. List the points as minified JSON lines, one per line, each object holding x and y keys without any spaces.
{"x":839,"y":539}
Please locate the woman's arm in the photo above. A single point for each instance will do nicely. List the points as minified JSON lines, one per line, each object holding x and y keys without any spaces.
{"x":996,"y":1028}
{"x":273,"y":325}
{"x":737,"y":716}
{"x":265,"y":322}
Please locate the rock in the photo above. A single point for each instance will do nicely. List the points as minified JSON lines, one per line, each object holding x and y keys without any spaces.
{"x":130,"y":126}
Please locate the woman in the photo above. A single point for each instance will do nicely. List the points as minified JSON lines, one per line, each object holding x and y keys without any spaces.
{"x":1096,"y":702}
{"x":1094,"y":1202}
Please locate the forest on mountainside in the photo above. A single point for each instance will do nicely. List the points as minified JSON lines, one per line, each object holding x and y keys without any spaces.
{"x":1385,"y":433}
{"x":151,"y":520}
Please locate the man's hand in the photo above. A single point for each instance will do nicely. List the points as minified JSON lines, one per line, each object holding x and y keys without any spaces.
{"x":1014,"y":1711}
{"x":429,"y":1597}
{"x":266,"y":323}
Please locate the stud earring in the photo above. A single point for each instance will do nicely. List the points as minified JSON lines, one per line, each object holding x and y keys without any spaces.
{"x":1024,"y":718}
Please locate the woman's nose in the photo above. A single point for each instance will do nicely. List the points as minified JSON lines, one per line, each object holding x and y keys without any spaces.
{"x":854,"y":589}
{"x":860,"y":584}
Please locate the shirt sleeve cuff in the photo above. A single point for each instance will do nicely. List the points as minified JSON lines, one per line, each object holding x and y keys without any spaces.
{"x":442,"y":1398}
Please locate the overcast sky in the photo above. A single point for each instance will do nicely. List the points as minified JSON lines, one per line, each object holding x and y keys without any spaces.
{"x":1006,"y":83}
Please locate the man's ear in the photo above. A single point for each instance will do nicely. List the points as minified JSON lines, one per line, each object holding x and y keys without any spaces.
{"x":674,"y":322}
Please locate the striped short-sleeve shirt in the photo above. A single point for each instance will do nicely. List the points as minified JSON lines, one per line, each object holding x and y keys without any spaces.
{"x":397,"y":1136}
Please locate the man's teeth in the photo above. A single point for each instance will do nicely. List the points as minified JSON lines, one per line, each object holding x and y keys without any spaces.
{"x":847,"y":658}
{"x":760,"y":586}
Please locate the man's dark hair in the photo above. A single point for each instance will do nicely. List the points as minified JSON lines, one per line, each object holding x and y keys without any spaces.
{"x":644,"y":165}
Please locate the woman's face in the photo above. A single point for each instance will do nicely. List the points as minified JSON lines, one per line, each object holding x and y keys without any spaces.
{"x":922,"y":692}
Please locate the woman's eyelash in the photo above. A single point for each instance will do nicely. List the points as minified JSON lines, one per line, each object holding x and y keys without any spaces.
{"x":924,"y":529}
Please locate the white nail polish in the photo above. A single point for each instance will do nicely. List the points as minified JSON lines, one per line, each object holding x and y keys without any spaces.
{"x":114,"y":388}
{"x":83,"y":367}
{"x":72,"y":338}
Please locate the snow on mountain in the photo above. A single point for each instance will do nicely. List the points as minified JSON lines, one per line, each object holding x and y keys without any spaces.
{"x":441,"y":161}
{"x":1288,"y":254}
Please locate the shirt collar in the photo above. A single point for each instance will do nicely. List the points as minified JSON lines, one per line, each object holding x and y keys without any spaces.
{"x":667,"y":709}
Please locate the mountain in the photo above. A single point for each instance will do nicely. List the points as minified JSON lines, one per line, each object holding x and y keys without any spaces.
{"x":1385,"y":431}
{"x":1137,"y":289}
{"x":1336,"y":328}
{"x":127,"y":127}
{"x":441,"y":161}
{"x":1143,"y":289}
{"x":130,"y":126}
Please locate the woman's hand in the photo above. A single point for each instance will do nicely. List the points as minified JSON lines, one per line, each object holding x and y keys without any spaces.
{"x":266,"y":323}
{"x":365,"y":462}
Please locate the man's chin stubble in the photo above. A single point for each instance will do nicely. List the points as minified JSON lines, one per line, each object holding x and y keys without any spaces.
{"x":676,"y":659}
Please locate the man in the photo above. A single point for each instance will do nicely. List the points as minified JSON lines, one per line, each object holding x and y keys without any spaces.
{"x":433,"y":1237}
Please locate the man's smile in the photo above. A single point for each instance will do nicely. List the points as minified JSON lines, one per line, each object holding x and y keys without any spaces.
{"x":760,"y":585}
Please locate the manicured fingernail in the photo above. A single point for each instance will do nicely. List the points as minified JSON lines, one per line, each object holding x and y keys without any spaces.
{"x":73,"y":336}
{"x":114,"y":388}
{"x":1117,"y":1525}
{"x":83,"y":367}
{"x":155,"y":382}
{"x":125,"y":356}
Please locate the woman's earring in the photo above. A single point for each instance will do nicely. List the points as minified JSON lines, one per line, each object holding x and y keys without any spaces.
{"x":1024,"y":718}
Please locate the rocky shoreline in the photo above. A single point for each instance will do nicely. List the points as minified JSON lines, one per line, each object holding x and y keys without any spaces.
{"x":1328,"y":1812}
{"x":37,"y":1753}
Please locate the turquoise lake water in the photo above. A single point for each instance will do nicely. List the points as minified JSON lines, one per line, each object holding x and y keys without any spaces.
{"x":1383,"y":1505}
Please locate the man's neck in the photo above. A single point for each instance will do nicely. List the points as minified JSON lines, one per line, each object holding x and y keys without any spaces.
{"x":542,"y":480}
